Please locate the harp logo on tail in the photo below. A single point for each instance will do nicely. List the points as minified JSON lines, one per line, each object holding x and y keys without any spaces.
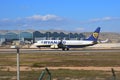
{"x":95,"y":35}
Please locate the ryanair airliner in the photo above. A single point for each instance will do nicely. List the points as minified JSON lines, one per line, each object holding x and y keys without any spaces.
{"x":66,"y":44}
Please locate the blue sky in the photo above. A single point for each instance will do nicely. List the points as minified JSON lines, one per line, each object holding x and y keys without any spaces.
{"x":69,"y":15}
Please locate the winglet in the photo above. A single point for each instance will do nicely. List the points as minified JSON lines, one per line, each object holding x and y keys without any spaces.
{"x":95,"y":35}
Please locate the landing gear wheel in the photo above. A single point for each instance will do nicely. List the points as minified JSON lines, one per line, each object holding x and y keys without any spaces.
{"x":63,"y":49}
{"x":67,"y":49}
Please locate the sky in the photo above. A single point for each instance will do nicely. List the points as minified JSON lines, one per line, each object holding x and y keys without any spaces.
{"x":68,"y":15}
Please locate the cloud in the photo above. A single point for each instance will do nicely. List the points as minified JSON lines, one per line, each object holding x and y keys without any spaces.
{"x":35,"y":21}
{"x":47,"y":22}
{"x":79,"y":29}
{"x":103,"y":19}
{"x":44,"y":18}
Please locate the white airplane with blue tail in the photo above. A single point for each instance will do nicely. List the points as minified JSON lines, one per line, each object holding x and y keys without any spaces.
{"x":67,"y":44}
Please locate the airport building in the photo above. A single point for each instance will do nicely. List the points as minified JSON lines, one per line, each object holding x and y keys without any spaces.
{"x":34,"y":36}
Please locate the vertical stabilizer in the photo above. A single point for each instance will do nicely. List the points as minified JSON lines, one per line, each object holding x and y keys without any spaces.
{"x":95,"y":35}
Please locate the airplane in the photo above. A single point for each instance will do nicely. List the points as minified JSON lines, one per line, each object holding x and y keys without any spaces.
{"x":67,"y":44}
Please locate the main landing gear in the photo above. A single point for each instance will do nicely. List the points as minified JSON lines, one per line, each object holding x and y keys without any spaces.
{"x":65,"y":49}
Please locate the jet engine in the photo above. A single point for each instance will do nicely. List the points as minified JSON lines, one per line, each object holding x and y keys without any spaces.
{"x":55,"y":46}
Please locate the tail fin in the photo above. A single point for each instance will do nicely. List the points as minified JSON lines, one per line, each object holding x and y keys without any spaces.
{"x":95,"y":35}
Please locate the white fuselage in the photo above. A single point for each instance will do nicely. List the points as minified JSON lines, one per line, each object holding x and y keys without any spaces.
{"x":70,"y":43}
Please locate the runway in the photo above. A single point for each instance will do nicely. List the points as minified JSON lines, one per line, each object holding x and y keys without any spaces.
{"x":60,"y":51}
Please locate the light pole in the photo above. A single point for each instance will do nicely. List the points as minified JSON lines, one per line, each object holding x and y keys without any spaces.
{"x":18,"y":65}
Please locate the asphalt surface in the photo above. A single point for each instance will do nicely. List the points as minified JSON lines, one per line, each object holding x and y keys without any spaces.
{"x":57,"y":50}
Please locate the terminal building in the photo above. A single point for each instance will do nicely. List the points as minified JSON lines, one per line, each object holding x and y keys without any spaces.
{"x":7,"y":36}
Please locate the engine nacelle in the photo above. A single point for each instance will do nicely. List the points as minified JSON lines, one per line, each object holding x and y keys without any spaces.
{"x":55,"y":46}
